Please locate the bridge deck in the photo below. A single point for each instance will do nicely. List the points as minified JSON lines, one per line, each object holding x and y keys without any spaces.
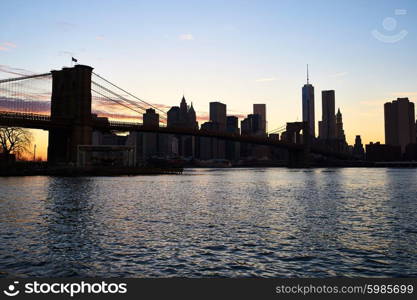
{"x":44,"y":122}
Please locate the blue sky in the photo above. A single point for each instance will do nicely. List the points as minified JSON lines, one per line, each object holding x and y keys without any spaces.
{"x":238,"y":52}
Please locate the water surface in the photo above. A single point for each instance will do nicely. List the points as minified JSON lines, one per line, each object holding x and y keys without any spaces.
{"x":212,"y":222}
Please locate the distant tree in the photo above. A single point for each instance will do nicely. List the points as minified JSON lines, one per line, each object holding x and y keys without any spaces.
{"x":15,"y":140}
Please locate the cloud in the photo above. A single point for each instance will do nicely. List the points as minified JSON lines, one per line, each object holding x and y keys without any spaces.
{"x":186,"y":37}
{"x":100,"y":37}
{"x":161,"y":106}
{"x":266,"y":79}
{"x":20,"y":105}
{"x":7,"y":46}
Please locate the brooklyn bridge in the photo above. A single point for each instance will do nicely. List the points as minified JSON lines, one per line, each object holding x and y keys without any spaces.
{"x":73,"y":102}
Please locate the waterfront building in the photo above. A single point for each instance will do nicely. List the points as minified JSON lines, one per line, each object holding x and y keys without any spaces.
{"x":211,"y":147}
{"x":218,"y":114}
{"x":380,"y":152}
{"x":150,"y":118}
{"x":183,"y":116}
{"x":251,"y":125}
{"x":358,"y":150}
{"x":327,"y":126}
{"x":232,"y":148}
{"x":400,"y":127}
{"x":260,"y":109}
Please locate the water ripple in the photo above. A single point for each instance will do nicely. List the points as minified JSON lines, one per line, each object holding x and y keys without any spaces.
{"x":212,"y":223}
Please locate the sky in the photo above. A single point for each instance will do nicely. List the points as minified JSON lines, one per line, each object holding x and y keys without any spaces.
{"x":235,"y":52}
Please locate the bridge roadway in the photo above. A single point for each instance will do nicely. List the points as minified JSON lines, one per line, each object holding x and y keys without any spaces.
{"x":44,"y":122}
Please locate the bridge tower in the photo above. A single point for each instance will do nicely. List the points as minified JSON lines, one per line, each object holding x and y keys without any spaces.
{"x":70,"y":104}
{"x":299,"y":158}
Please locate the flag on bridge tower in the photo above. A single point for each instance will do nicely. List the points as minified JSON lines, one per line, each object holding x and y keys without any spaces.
{"x":73,"y":59}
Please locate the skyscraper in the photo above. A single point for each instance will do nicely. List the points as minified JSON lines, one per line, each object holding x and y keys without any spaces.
{"x":232,"y":148}
{"x":327,"y":125}
{"x":151,"y":118}
{"x":250,"y":125}
{"x":232,"y":124}
{"x":308,"y":105}
{"x":183,"y":116}
{"x":260,"y":109}
{"x":218,"y":114}
{"x":358,"y":150}
{"x":173,"y":116}
{"x":400,"y":128}
{"x":340,"y":132}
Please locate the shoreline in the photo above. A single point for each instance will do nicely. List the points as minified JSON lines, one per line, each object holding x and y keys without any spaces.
{"x":96,"y":171}
{"x":41,"y":169}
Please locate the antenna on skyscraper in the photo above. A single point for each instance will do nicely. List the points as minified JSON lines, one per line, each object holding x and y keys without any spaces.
{"x":307,"y":76}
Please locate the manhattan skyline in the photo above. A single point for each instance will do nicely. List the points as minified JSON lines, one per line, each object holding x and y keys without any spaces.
{"x":216,"y":52}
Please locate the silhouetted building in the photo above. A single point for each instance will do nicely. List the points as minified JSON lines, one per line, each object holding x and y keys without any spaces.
{"x":211,"y":148}
{"x":274,"y":136}
{"x":400,"y":126}
{"x":183,"y":116}
{"x":380,"y":152}
{"x":232,"y":148}
{"x":358,"y":150}
{"x":105,"y":155}
{"x":173,"y":115}
{"x":218,"y":114}
{"x":410,"y":152}
{"x":340,"y":133}
{"x":341,"y":144}
{"x":260,"y":109}
{"x":99,"y":138}
{"x":150,"y":118}
{"x":308,"y":106}
{"x":250,"y":125}
{"x":192,"y":117}
{"x":327,"y":126}
{"x":232,"y":124}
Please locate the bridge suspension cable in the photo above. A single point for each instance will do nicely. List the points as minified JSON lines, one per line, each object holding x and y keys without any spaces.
{"x":278,"y":130}
{"x":111,"y":95}
{"x":118,"y":97}
{"x":32,"y":94}
{"x":135,"y":97}
{"x":26,"y":94}
{"x":118,"y":102}
{"x":24,"y":77}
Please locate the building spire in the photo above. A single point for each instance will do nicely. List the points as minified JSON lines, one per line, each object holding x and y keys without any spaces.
{"x":308,"y":79}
